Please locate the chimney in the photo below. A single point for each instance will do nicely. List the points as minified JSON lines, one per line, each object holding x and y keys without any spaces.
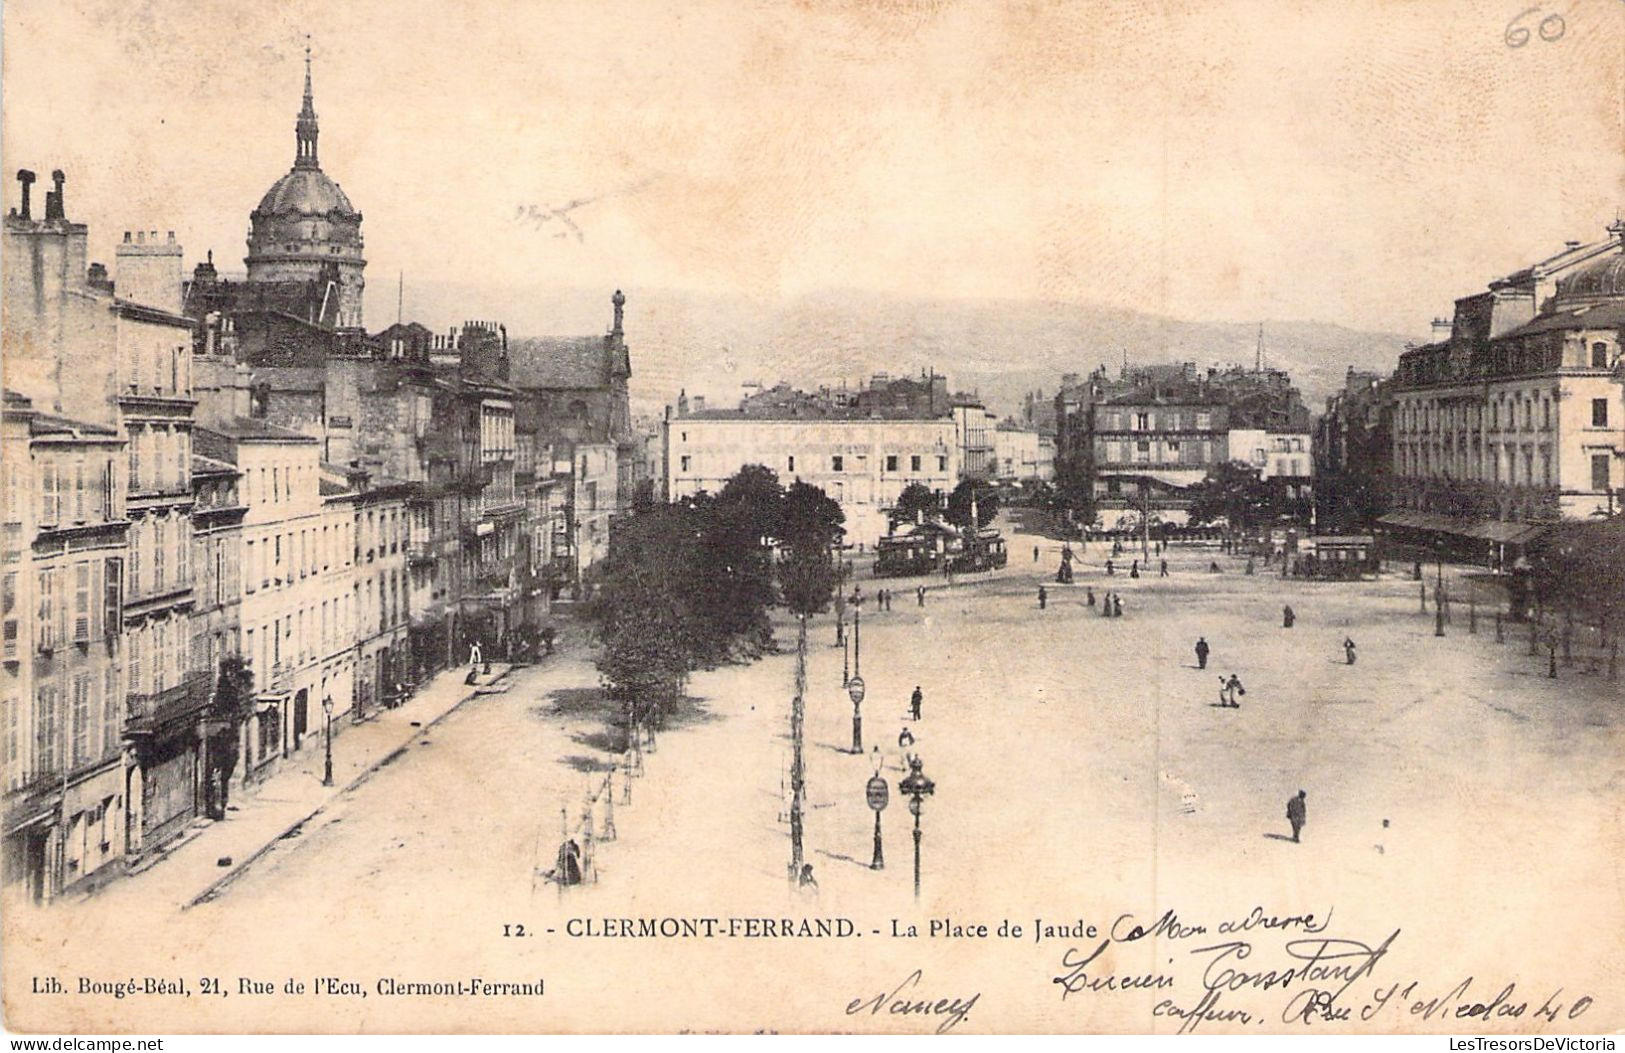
{"x":26,"y":178}
{"x":53,"y":198}
{"x":149,"y":271}
{"x":1441,"y":329}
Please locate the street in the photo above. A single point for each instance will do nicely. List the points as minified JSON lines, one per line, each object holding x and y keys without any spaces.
{"x":1083,"y":770}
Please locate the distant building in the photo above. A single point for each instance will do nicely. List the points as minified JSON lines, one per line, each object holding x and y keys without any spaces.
{"x":1353,"y":455}
{"x":862,"y":462}
{"x":974,"y":429}
{"x":1147,"y":435}
{"x":1016,"y":453}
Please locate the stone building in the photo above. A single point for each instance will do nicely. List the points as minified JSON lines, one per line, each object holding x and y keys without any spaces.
{"x":62,"y":726}
{"x":863,"y":463}
{"x":1353,"y":455}
{"x":78,"y":344}
{"x":305,"y":229}
{"x":1517,"y":419}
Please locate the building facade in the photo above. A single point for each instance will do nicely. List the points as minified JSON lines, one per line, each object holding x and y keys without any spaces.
{"x":1516,"y":420}
{"x":862,"y":463}
{"x":62,"y":685}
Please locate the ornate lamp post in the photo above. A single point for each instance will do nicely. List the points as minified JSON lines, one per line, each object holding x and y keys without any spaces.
{"x":855,"y":690}
{"x":878,"y":796}
{"x":327,"y":739}
{"x":857,"y":634}
{"x":916,"y":787}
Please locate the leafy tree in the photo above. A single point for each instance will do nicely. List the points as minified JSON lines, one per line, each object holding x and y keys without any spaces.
{"x":755,"y":490}
{"x":914,"y":503}
{"x":1234,"y":492}
{"x":233,"y":704}
{"x":959,"y":504}
{"x":808,"y":573}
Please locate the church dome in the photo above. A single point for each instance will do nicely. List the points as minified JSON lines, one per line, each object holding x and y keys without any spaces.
{"x":1602,"y":280}
{"x":305,"y":192}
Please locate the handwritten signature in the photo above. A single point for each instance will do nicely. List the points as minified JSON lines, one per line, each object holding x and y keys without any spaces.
{"x":953,"y":1011}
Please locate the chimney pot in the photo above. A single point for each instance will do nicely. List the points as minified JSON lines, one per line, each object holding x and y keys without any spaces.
{"x":26,"y":178}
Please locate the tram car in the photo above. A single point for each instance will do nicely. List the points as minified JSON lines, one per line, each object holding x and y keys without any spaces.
{"x":983,"y":550}
{"x":907,"y":555}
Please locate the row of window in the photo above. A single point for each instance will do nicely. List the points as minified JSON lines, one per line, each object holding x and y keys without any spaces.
{"x":78,"y":491}
{"x":1158,"y":420}
{"x":75,"y":723}
{"x":159,"y":370}
{"x":160,"y":459}
{"x":1425,"y":417}
{"x":160,"y":554}
{"x":73,"y":604}
{"x":858,"y":462}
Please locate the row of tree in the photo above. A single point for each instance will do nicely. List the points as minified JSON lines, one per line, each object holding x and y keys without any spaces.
{"x":689,"y":585}
{"x":916,"y":502}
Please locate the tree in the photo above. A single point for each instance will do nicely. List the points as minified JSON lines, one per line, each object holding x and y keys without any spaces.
{"x":959,"y":504}
{"x":232,"y":706}
{"x":916,"y":503}
{"x":808,"y":573}
{"x":1232,"y":491}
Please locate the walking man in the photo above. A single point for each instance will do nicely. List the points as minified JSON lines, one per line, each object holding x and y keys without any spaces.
{"x":1233,"y":686}
{"x":1164,"y":571}
{"x":919,"y":595}
{"x":1117,"y":605}
{"x":1201,"y":652}
{"x":1043,"y":597}
{"x":1348,"y":649}
{"x":1295,"y":814}
{"x":1035,"y":553}
{"x":1287,"y":617}
{"x":914,"y":702}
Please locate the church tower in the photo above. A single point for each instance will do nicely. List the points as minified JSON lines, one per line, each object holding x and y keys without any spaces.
{"x":305,"y":229}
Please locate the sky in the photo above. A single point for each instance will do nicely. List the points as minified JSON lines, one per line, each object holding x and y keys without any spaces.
{"x":1355,"y":163}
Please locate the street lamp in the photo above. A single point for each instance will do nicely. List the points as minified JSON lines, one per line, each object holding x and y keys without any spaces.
{"x":878,"y":796}
{"x":916,"y":787}
{"x":857,"y":634}
{"x":854,"y":690}
{"x":327,"y":738}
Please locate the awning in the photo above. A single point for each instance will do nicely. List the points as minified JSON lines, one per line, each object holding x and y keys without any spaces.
{"x":1497,"y":530}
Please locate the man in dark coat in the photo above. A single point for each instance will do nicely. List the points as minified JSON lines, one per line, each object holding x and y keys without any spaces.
{"x":1296,"y":813}
{"x":1117,"y":606}
{"x":1201,"y":652}
{"x":1164,"y":571}
{"x":919,"y":595}
{"x":1089,"y":592}
{"x":1234,"y":689}
{"x":1043,"y":597}
{"x":1110,"y":569}
{"x":1348,"y":649}
{"x":915,"y":701}
{"x":1287,"y":617}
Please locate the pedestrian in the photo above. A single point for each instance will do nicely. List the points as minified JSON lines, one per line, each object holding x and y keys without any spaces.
{"x":806,"y":880}
{"x":1202,"y":651}
{"x":1110,"y":569}
{"x":1134,"y":571}
{"x":1117,"y":606}
{"x":1249,"y":564}
{"x":1213,"y":567}
{"x":1416,"y":571}
{"x":1106,"y":605}
{"x":1035,"y":553}
{"x":1163,"y":572}
{"x":567,"y":870}
{"x":1422,"y":594}
{"x":919,"y":595}
{"x":1287,"y":617}
{"x":1233,"y":686}
{"x":1090,"y":593}
{"x":1043,"y":597}
{"x":915,"y":701}
{"x":1295,"y":814}
{"x":474,"y":654}
{"x":1348,"y":649}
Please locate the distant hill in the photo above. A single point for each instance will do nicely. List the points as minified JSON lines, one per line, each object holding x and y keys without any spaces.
{"x":710,"y":344}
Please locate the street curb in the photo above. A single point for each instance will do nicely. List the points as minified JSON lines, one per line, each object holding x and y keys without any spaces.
{"x":219,"y":884}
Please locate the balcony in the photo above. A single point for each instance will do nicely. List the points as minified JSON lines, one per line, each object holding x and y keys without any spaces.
{"x":148,"y":713}
{"x":421,"y":552}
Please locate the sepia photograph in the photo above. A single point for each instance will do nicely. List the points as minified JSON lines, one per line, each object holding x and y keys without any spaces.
{"x":867,"y":517}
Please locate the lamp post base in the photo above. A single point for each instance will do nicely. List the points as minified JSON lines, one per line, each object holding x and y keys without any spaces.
{"x":879,"y":861}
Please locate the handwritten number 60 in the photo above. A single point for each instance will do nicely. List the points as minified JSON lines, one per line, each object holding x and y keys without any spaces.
{"x":1550,"y":29}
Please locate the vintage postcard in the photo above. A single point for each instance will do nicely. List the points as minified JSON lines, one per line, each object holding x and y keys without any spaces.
{"x":874,"y":516}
